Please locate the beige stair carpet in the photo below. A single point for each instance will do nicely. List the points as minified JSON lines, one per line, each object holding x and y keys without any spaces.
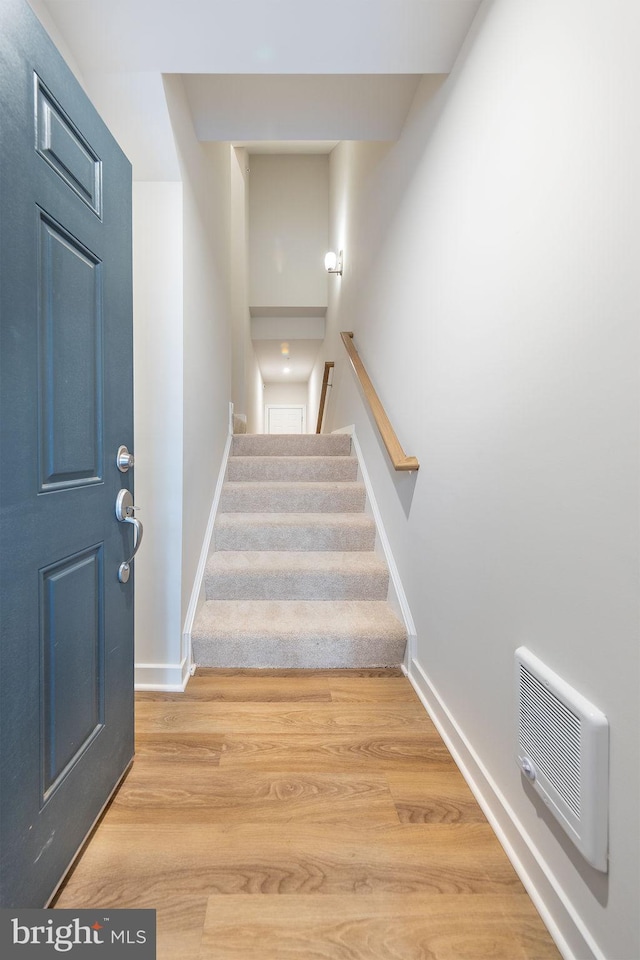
{"x":293,"y":579}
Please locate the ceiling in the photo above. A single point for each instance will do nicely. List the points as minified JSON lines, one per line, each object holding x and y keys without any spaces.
{"x":263,"y":36}
{"x":272,"y":363}
{"x":302,"y":107}
{"x":254,"y":70}
{"x":286,"y":146}
{"x":273,"y":329}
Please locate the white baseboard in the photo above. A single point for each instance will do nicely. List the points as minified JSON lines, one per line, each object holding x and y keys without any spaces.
{"x":558,"y":914}
{"x":397,"y":596}
{"x":166,"y":677}
{"x":198,"y":592}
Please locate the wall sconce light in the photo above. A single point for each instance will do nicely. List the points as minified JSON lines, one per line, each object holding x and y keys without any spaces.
{"x":333,"y":262}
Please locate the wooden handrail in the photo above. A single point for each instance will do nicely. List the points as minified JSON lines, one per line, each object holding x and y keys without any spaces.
{"x":399,"y":459}
{"x":323,"y":393}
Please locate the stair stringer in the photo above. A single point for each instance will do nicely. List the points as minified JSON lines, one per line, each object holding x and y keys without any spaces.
{"x":396,"y":596}
{"x":198,"y":596}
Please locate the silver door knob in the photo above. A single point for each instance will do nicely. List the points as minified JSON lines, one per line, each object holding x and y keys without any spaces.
{"x":124,"y":513}
{"x":124,"y":459}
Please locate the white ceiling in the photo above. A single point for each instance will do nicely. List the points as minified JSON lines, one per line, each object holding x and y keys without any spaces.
{"x":302,"y":356}
{"x":264,"y":36}
{"x":283,"y":107}
{"x":286,"y":146}
{"x":254,"y":70}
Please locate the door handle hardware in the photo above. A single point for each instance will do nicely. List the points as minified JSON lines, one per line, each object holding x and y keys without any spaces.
{"x":125,"y":505}
{"x":124,"y":513}
{"x":124,"y":459}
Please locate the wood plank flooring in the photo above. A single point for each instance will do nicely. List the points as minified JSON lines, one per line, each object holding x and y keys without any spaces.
{"x":304,"y":815}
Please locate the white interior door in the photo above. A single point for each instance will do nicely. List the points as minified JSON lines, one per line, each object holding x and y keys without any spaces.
{"x":281,"y":418}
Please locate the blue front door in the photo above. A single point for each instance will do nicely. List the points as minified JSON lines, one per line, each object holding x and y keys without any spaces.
{"x":66,"y":645}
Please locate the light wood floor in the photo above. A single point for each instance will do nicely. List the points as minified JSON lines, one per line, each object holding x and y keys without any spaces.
{"x":304,"y":816}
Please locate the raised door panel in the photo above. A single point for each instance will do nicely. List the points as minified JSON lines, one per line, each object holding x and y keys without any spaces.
{"x":72,"y":672}
{"x":62,"y":145}
{"x":71,"y":359}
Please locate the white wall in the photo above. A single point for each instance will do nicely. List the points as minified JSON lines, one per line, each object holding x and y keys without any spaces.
{"x":240,"y":319}
{"x":246,"y":384}
{"x":491,"y":260}
{"x":255,"y":415}
{"x":288,"y":229}
{"x":158,"y":385}
{"x":295,"y":394}
{"x":288,"y":328}
{"x":41,"y":10}
{"x":206,"y":325}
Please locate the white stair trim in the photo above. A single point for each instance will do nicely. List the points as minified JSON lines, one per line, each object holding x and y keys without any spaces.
{"x":397,"y":597}
{"x":198,"y":596}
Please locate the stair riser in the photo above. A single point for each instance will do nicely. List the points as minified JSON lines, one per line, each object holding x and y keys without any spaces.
{"x":295,"y":586}
{"x":336,"y":499}
{"x":287,"y":469}
{"x":288,"y":445}
{"x":299,"y":653}
{"x":294,"y":538}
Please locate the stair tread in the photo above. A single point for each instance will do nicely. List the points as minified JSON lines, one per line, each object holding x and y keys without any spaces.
{"x":292,"y":496}
{"x":301,"y":469}
{"x":321,"y":620}
{"x":296,"y":575}
{"x":280,"y":458}
{"x":305,"y":485}
{"x":294,"y":531}
{"x":295,"y":519}
{"x":294,"y":460}
{"x":356,"y":561}
{"x":305,"y":444}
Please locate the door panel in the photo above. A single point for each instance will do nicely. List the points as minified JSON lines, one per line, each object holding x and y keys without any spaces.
{"x":72,"y":625}
{"x":70,"y":333}
{"x":66,"y":644}
{"x":63,"y":146}
{"x":285,"y":419}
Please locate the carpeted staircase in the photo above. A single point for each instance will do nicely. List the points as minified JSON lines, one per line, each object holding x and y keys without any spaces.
{"x":293,"y":579}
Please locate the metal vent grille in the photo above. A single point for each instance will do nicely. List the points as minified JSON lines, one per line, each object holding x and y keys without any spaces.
{"x":550,"y":736}
{"x":563,"y":751}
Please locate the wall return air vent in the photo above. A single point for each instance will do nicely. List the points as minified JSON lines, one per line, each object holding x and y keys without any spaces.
{"x":563,"y":750}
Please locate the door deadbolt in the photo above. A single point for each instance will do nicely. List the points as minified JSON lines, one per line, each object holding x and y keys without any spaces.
{"x":124,"y":459}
